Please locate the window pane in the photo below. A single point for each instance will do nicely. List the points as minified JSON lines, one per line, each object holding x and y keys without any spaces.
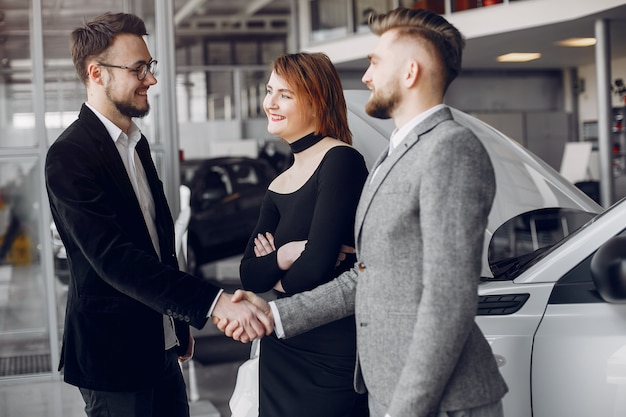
{"x":366,"y":7}
{"x":23,"y":316}
{"x":329,"y":19}
{"x":252,"y":93}
{"x":16,"y":89}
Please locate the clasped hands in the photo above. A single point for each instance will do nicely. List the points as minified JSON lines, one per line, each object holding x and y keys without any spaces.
{"x":256,"y":319}
{"x":244,"y":316}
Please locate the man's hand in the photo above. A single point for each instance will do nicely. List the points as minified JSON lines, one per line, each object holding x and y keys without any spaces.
{"x":189,"y":354}
{"x":252,"y":320}
{"x":233,"y":328}
{"x":343,"y":252}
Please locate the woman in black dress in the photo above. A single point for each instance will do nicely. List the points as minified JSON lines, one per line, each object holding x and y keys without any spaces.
{"x":306,"y":222}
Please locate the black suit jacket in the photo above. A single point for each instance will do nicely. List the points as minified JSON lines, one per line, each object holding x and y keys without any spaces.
{"x":119,"y":289}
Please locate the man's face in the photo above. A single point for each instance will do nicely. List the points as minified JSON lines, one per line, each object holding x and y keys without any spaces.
{"x":382,"y":78}
{"x":128,"y":94}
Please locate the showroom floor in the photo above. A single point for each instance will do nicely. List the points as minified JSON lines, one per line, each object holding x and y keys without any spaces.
{"x":210,"y":380}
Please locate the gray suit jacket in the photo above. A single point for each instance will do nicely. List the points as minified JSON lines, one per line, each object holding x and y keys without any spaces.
{"x":419,"y":235}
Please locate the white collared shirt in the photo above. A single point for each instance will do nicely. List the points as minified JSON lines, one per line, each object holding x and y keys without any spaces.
{"x":125,"y":145}
{"x":398,"y":135}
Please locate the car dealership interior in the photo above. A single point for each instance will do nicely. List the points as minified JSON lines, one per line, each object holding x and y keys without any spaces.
{"x":548,"y":75}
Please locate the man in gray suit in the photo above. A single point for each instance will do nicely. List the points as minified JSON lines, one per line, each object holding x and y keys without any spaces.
{"x":419,"y":238}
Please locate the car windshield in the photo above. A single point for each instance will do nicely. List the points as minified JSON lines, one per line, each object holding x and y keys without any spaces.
{"x":520,"y":241}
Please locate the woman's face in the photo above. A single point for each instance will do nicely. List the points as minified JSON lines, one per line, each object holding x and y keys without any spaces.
{"x":288,"y":117}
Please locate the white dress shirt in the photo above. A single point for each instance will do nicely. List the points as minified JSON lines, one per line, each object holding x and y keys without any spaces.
{"x":125,"y":145}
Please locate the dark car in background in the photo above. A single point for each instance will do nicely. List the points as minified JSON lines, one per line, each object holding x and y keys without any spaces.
{"x":225,"y":200}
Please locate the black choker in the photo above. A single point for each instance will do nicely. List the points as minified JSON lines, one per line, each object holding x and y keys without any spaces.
{"x":306,"y":142}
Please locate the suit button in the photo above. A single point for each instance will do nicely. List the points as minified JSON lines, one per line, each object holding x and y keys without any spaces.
{"x":168,"y":311}
{"x":187,"y":319}
{"x":361,"y":267}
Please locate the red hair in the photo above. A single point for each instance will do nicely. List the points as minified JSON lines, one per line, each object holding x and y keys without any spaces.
{"x":314,"y":79}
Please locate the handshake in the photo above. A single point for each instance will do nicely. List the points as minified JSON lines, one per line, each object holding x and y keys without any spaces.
{"x":243,"y":316}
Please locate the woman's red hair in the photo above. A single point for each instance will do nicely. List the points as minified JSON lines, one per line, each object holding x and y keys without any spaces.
{"x":314,"y":79}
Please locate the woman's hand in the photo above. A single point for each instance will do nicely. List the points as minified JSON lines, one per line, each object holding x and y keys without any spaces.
{"x":264,"y":244}
{"x":286,"y":255}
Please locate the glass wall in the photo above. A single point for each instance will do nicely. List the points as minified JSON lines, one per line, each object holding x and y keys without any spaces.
{"x":25,"y":337}
{"x":220,"y":93}
{"x":40,"y":95}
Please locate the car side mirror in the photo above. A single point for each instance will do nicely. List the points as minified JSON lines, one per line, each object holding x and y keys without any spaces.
{"x":608,"y":270}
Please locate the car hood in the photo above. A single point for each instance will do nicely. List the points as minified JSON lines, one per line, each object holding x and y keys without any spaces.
{"x":524,"y":182}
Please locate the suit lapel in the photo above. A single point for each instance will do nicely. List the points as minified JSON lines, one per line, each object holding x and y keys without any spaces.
{"x":109,"y":153}
{"x":162,"y":212}
{"x":384,"y":164}
{"x":112,"y":161}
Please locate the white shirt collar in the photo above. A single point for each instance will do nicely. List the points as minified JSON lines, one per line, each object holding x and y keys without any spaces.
{"x":398,"y":135}
{"x":134,"y":133}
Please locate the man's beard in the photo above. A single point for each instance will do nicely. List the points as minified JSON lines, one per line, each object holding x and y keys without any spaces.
{"x":126,"y":109}
{"x":381,"y":107}
{"x":130,"y":110}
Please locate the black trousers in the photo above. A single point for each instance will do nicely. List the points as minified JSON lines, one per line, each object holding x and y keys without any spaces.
{"x":167,"y":398}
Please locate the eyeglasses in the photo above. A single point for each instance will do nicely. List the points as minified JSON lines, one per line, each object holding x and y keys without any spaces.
{"x":141,"y":70}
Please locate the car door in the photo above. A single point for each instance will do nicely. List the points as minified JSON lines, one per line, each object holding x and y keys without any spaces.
{"x":214,"y":213}
{"x":559,"y":345}
{"x":509,"y":315}
{"x":579,"y":351}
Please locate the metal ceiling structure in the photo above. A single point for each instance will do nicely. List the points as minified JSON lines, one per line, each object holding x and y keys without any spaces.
{"x":195,"y":20}
{"x":206,"y":20}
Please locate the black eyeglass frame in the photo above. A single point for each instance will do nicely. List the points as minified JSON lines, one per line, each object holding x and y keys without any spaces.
{"x":141,"y":70}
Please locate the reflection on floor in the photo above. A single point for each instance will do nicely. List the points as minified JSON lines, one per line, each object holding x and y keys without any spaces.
{"x":54,"y":398}
{"x":41,"y":398}
{"x":210,"y":382}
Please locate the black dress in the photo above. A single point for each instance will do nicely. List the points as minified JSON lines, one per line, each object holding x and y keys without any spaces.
{"x":310,"y":374}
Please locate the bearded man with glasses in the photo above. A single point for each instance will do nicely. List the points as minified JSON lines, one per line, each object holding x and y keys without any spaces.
{"x":129,"y":307}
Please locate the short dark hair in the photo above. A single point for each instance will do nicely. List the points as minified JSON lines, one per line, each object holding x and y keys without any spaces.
{"x":426,"y":25}
{"x":95,"y":37}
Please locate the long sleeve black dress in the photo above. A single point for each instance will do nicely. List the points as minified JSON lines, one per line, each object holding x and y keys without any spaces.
{"x":310,"y":374}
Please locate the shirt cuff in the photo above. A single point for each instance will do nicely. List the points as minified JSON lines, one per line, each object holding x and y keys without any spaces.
{"x":278,"y":325}
{"x":213,"y":304}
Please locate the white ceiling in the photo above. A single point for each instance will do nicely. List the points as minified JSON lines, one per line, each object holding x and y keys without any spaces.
{"x":481,"y":52}
{"x":198,"y":18}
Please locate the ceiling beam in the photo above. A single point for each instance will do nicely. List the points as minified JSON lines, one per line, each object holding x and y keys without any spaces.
{"x":187,"y":10}
{"x":255,"y":6}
